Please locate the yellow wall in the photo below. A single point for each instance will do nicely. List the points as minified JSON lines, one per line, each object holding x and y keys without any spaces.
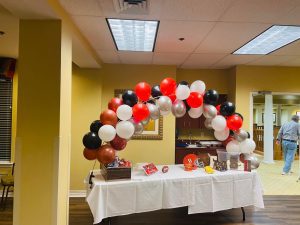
{"x":214,"y":79}
{"x":258,"y":78}
{"x":86,"y":107}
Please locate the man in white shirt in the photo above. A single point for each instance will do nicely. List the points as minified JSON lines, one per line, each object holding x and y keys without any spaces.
{"x":288,"y":136}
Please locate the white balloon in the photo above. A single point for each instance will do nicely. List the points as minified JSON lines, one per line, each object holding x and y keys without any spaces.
{"x":182,"y":92}
{"x":247,"y":146}
{"x":164,"y":113}
{"x":195,"y":112}
{"x":218,"y":123}
{"x":233,"y":146}
{"x":107,"y":133}
{"x":198,"y":86}
{"x":125,"y":129}
{"x":124,"y":112}
{"x":222,"y":135}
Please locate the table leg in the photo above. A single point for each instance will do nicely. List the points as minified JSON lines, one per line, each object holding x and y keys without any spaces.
{"x":106,"y":221}
{"x":243,"y":211}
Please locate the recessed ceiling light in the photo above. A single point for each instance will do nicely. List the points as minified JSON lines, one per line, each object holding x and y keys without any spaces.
{"x":134,"y":35}
{"x":2,"y":32}
{"x":181,"y":39}
{"x":270,"y":40}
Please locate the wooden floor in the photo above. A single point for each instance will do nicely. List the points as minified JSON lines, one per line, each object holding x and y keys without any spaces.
{"x":280,"y":210}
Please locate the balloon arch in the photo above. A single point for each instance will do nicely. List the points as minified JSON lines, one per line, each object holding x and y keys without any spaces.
{"x":126,"y":116}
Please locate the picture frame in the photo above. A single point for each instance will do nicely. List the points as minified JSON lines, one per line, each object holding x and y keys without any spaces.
{"x":274,"y":117}
{"x":152,"y":131}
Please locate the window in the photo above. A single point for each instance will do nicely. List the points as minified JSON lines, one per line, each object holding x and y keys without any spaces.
{"x":5,"y":118}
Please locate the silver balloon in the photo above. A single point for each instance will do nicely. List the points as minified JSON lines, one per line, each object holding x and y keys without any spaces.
{"x":146,"y":121}
{"x":154,"y":111}
{"x":138,"y":127}
{"x":207,"y":124}
{"x":178,"y":108}
{"x":240,"y":135}
{"x":255,"y":162}
{"x":209,"y":111}
{"x":164,"y":103}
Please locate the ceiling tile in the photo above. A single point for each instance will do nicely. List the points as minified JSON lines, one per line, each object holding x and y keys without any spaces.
{"x":292,"y":18}
{"x":169,"y":58}
{"x":266,"y":11}
{"x":293,"y":62}
{"x":202,"y":60}
{"x":291,"y":49}
{"x":135,"y":57}
{"x":232,"y":60}
{"x":227,"y":37}
{"x":109,"y":56}
{"x":96,"y":30}
{"x":170,"y":31}
{"x":271,"y":60}
{"x":83,"y":8}
{"x":204,"y":10}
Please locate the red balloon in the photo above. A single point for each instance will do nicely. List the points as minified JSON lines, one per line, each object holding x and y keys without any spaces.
{"x":229,"y":139}
{"x":140,"y":112}
{"x":195,"y":100}
{"x":168,"y":86}
{"x":218,"y":107}
{"x":143,"y":91}
{"x":106,"y":154}
{"x":90,"y":154}
{"x":108,"y":117}
{"x":114,"y":103}
{"x":172,"y":97}
{"x":234,"y":122}
{"x":118,"y":143}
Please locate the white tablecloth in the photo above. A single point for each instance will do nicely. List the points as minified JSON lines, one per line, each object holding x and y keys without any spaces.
{"x":199,"y":191}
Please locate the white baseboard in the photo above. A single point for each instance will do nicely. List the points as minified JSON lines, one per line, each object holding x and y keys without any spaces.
{"x":77,"y":193}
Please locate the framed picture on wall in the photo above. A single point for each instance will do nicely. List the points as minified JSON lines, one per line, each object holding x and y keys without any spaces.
{"x":152,"y":131}
{"x":274,"y":117}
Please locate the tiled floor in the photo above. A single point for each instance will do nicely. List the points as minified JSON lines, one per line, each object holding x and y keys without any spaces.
{"x":276,"y":184}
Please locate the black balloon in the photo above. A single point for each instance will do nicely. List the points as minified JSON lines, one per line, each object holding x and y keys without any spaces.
{"x":91,"y":140}
{"x":231,"y":133}
{"x":183,"y":83}
{"x":95,"y":126}
{"x":186,"y":105}
{"x":248,"y":134}
{"x":211,"y":97}
{"x":240,"y":115}
{"x":151,"y":101}
{"x":155,"y":91}
{"x":227,"y":108}
{"x":129,"y":98}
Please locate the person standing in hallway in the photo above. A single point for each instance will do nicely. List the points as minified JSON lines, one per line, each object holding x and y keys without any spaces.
{"x":288,"y":136}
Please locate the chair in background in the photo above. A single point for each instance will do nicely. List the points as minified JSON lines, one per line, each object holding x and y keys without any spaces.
{"x":7,"y":182}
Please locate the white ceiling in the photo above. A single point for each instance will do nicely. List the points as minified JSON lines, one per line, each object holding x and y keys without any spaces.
{"x":212,"y":29}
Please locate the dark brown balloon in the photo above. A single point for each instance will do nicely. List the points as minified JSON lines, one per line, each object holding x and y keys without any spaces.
{"x":114,"y":103}
{"x":108,"y":117}
{"x":90,"y":154}
{"x":118,"y":143}
{"x":242,"y":158}
{"x":106,"y":154}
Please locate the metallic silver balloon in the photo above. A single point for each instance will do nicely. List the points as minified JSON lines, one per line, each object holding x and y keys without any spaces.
{"x":240,"y":135}
{"x":164,"y":103}
{"x":154,"y":111}
{"x":209,"y":111}
{"x":207,"y":123}
{"x":138,"y":127}
{"x":178,"y":108}
{"x":255,"y":162}
{"x":146,"y":121}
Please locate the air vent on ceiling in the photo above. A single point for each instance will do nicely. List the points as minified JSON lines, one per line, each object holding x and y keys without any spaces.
{"x":131,"y":6}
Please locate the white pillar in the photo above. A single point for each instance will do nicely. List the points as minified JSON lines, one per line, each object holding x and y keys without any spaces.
{"x":268,"y":129}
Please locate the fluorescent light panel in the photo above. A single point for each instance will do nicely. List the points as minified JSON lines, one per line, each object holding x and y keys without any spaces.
{"x":133,"y":35}
{"x":270,"y":40}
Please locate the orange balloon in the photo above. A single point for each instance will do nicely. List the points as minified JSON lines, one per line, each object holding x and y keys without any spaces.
{"x":114,"y":103}
{"x":106,"y":154}
{"x":90,"y":154}
{"x":108,"y":117}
